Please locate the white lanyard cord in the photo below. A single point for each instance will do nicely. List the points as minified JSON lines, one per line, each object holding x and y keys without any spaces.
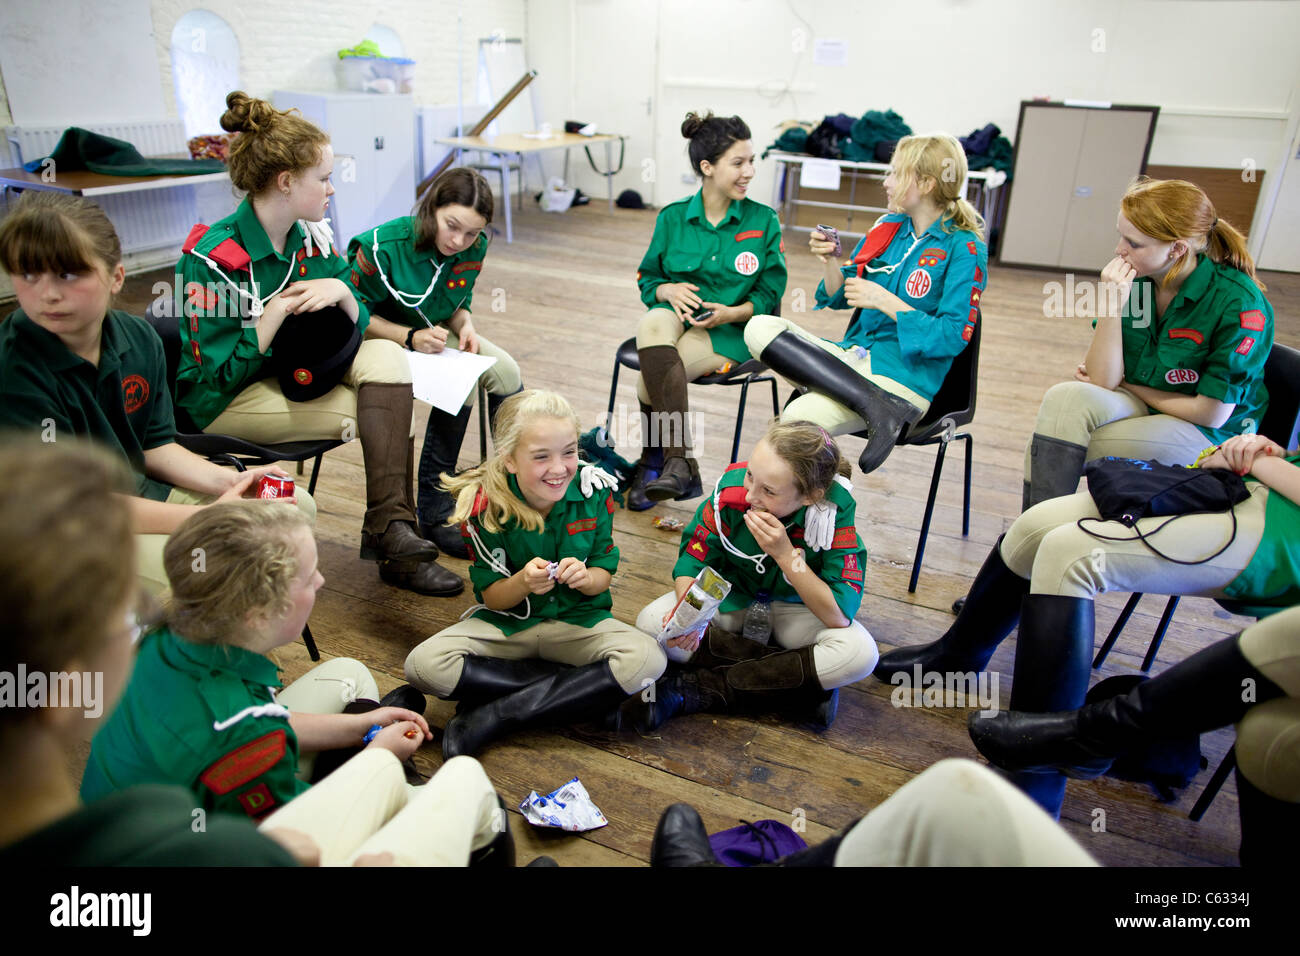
{"x":408,"y":299}
{"x":499,"y":568}
{"x":257,"y":300}
{"x":887,"y":270}
{"x":758,"y":559}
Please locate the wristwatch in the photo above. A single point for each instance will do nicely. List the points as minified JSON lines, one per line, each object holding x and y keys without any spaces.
{"x":409,"y":337}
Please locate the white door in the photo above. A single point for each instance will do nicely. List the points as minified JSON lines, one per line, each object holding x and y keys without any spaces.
{"x":614,"y":86}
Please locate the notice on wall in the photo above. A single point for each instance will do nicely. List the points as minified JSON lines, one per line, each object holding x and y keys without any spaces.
{"x":820,"y":174}
{"x":830,"y":52}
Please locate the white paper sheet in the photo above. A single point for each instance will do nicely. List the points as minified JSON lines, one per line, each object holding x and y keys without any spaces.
{"x":819,"y":174}
{"x":445,"y":379}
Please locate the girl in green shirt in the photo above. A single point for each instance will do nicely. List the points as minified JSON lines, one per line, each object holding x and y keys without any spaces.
{"x":543,"y":646}
{"x":715,"y":260}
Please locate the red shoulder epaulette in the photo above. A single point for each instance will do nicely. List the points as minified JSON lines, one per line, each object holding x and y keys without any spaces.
{"x":734,"y":497}
{"x":480,"y":504}
{"x":192,"y":240}
{"x":877,"y":241}
{"x":231,"y":254}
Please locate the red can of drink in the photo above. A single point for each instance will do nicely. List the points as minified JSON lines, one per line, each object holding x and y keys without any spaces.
{"x":274,"y":486}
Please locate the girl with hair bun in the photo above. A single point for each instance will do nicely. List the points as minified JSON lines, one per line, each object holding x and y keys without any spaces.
{"x":416,"y":274}
{"x":543,"y":646}
{"x":781,"y":523}
{"x":244,"y":276}
{"x":1177,"y":356}
{"x":715,"y":260}
{"x":915,"y":282}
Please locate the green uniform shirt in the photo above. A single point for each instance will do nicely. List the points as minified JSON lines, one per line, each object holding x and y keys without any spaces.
{"x":742,"y":259}
{"x":448,"y":281}
{"x":144,"y":826}
{"x":1271,"y":581}
{"x":577,"y":527}
{"x":201,"y":716}
{"x":1213,"y":339}
{"x":122,"y":403}
{"x":843,"y":566}
{"x":219,"y":356}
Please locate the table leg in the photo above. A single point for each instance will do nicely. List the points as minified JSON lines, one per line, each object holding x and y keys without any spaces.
{"x":609,"y":171}
{"x":505,"y":195}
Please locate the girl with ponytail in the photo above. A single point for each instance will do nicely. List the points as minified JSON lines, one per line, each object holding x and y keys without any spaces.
{"x":1177,"y":356}
{"x":915,"y":282}
{"x":257,"y":285}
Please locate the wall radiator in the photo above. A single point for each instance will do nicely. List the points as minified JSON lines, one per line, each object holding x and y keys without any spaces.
{"x":152,"y":221}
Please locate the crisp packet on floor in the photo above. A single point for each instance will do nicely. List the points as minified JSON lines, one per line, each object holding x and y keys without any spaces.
{"x":568,"y":808}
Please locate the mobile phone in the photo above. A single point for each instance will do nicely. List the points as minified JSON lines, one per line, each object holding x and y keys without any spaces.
{"x":702,"y":314}
{"x":833,"y":234}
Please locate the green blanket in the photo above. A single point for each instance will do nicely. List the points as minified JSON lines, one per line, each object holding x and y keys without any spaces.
{"x":82,"y":149}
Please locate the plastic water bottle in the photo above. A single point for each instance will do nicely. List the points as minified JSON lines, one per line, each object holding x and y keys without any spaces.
{"x":758,"y":619}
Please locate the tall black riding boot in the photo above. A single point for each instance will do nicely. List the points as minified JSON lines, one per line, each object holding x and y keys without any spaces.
{"x":1270,"y":828}
{"x":1199,"y":694}
{"x":991,"y":610}
{"x":681,"y":840}
{"x":442,"y":440}
{"x":484,"y":679}
{"x":574,"y":694}
{"x":1053,"y":664}
{"x":885,"y":414}
{"x":1055,"y":467}
{"x":500,"y":853}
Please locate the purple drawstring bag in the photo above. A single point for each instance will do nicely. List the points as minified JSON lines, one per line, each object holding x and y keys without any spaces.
{"x":751,"y":843}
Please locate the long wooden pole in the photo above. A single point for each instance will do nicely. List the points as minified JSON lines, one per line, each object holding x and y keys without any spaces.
{"x":480,"y":126}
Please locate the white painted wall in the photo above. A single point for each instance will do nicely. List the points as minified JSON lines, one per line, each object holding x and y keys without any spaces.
{"x":1224,"y":72}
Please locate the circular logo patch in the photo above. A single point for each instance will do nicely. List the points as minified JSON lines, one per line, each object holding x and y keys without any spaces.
{"x":918,"y":283}
{"x":746,"y":263}
{"x":135,"y":392}
{"x":302,"y":376}
{"x":1182,"y":376}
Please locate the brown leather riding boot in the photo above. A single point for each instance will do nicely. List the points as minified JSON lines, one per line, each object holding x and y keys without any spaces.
{"x":384,"y":426}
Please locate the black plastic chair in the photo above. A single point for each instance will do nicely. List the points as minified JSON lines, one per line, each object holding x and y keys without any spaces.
{"x":1281,"y":423}
{"x":952,"y":408}
{"x":745,"y":374}
{"x":227,"y":449}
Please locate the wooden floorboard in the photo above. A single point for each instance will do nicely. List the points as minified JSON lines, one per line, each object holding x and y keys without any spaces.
{"x":570,"y":299}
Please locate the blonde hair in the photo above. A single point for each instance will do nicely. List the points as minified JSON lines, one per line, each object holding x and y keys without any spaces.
{"x":66,"y":553}
{"x":516,"y":414}
{"x":1172,"y":209}
{"x":812,"y":454}
{"x":270,"y":142}
{"x":939,"y":158}
{"x":228,"y":560}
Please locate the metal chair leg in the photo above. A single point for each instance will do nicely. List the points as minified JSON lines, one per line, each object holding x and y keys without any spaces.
{"x":1159,"y":635}
{"x":310,"y":642}
{"x":613,"y":393}
{"x":1216,"y":783}
{"x":776,"y":399}
{"x":482,"y":422}
{"x":929,"y":513}
{"x":315,"y":473}
{"x":965,"y":513}
{"x":740,"y":420}
{"x":1115,"y":631}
